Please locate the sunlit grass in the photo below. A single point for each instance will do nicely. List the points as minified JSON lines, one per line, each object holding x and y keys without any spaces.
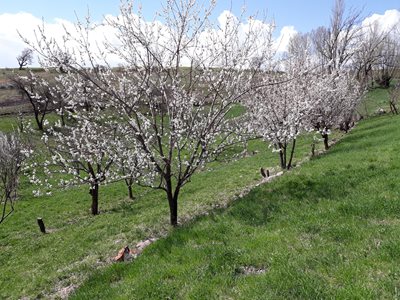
{"x":78,"y":244}
{"x":37,"y":265}
{"x":326,"y":230}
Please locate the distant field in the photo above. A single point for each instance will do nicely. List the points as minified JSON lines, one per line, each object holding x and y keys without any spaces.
{"x":11,"y":101}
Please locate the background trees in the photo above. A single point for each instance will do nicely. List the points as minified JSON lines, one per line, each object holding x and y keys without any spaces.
{"x":336,"y":44}
{"x":25,"y":58}
{"x":388,"y":60}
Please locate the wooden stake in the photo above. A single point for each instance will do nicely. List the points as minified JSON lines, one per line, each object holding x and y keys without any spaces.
{"x":41,"y":225}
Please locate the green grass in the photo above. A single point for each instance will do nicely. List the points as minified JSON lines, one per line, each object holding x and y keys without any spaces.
{"x":377,"y":98}
{"x":328,"y":230}
{"x":80,"y":246}
{"x":8,"y":123}
{"x":35,"y":265}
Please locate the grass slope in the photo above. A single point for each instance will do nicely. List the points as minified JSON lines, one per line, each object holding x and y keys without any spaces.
{"x":35,"y":265}
{"x":377,"y":98}
{"x":329,"y":229}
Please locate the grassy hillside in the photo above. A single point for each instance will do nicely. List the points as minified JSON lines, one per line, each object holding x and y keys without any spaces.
{"x":37,"y":265}
{"x":377,"y":98}
{"x":329,"y":229}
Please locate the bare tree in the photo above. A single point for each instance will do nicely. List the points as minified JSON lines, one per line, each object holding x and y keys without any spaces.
{"x":388,"y":62}
{"x":301,"y":48}
{"x":335,"y":44}
{"x":368,"y":52}
{"x":25,"y":58}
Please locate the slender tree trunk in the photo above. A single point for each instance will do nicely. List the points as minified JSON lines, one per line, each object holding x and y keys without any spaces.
{"x":282,"y":155}
{"x":95,"y":199}
{"x":326,"y":143}
{"x":289,"y":165}
{"x":129,"y":183}
{"x":173,"y":207}
{"x":313,"y":149}
{"x":393,"y":108}
{"x":172,"y":200}
{"x":130,"y":192}
{"x":38,"y":122}
{"x":62,"y":118}
{"x":282,"y":159}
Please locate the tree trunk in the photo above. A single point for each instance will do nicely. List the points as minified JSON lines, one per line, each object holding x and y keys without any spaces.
{"x":130,"y":192}
{"x":62,"y":118}
{"x":282,"y":155}
{"x":289,"y":165}
{"x":38,"y":122}
{"x":313,"y":149}
{"x":326,"y":144}
{"x":95,"y":199}
{"x":393,"y":109}
{"x":173,"y":209}
{"x":172,"y":202}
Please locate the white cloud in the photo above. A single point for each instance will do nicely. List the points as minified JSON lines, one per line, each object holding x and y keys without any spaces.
{"x":282,"y":42}
{"x":26,"y":23}
{"x":387,"y":21}
{"x":11,"y":43}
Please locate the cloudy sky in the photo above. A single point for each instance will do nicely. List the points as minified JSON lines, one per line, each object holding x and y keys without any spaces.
{"x":290,"y":16}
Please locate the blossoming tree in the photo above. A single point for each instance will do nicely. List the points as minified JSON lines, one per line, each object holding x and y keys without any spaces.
{"x":177,"y":81}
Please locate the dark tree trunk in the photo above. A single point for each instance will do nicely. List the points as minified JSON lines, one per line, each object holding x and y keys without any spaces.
{"x":38,"y":121}
{"x":393,"y":108}
{"x":313,"y":149}
{"x":282,"y":155}
{"x":326,"y":141}
{"x":130,"y":192}
{"x":173,"y":210}
{"x":172,"y":201}
{"x":289,"y":165}
{"x":129,"y":182}
{"x":95,"y":199}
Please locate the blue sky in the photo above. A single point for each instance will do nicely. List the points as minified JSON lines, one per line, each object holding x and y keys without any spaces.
{"x":303,"y":15}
